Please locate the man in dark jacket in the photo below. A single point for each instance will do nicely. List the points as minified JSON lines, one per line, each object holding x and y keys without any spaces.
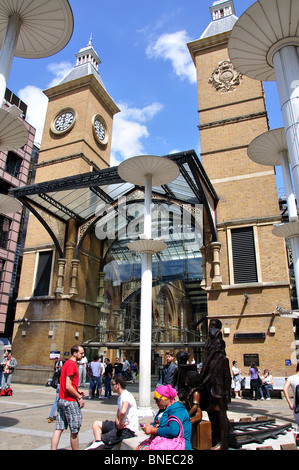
{"x":168,"y":370}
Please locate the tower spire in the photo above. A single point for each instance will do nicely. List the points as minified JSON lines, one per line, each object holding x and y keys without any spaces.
{"x":88,"y":55}
{"x":222,"y":9}
{"x":223,"y":18}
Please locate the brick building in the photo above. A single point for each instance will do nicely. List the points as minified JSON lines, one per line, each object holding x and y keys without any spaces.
{"x":77,"y":286}
{"x":15,"y":171}
{"x":253,"y":262}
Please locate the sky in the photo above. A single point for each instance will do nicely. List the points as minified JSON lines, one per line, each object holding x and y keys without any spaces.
{"x":146,"y":69}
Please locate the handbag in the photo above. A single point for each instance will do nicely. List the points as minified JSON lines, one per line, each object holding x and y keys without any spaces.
{"x":165,"y":443}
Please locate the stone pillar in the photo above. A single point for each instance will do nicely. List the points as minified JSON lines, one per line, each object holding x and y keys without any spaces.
{"x":74,"y":277}
{"x":100,"y":298}
{"x":217,"y":279}
{"x":203,"y":283}
{"x":60,"y":276}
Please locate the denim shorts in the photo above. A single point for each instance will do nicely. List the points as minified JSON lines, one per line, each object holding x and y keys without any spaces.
{"x":68,"y":414}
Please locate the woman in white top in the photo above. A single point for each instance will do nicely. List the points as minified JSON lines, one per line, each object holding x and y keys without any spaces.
{"x":292,"y":381}
{"x":236,"y":373}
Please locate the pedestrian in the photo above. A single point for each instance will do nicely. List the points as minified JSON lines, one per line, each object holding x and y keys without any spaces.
{"x":109,"y":433}
{"x":57,"y":368}
{"x":168,"y":370}
{"x":237,"y":378}
{"x":134,"y":370}
{"x":267,"y":383}
{"x":255,"y":382}
{"x":293,"y":381}
{"x":70,"y":401}
{"x":9,"y":363}
{"x":82,"y":371}
{"x":107,"y":377}
{"x":117,"y":367}
{"x":96,"y":371}
{"x":126,"y":367}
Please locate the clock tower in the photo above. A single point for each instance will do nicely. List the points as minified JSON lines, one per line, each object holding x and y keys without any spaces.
{"x":78,"y":125}
{"x":76,"y":140}
{"x":252,"y":273}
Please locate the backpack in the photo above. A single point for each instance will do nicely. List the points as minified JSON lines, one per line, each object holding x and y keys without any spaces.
{"x":55,"y":379}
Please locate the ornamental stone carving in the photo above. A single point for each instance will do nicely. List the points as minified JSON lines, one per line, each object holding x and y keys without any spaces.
{"x":225,"y":77}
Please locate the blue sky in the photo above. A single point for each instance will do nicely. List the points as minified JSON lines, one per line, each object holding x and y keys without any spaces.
{"x":146,"y":68}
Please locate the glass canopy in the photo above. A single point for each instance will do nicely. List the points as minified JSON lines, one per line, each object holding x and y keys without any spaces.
{"x":84,"y":197}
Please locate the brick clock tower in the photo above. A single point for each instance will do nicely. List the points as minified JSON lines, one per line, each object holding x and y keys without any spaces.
{"x":252,"y":264}
{"x":76,"y":140}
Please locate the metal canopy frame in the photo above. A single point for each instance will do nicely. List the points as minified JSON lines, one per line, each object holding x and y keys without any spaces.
{"x":77,"y":197}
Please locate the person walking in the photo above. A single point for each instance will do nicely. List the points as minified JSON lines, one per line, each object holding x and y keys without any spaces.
{"x":107,"y":378}
{"x":117,"y":367}
{"x":109,"y":433}
{"x":237,"y":378}
{"x":134,"y":370}
{"x":82,"y":371}
{"x":96,"y":371}
{"x":9,"y":363}
{"x":168,"y":370}
{"x":126,"y":368}
{"x":70,"y":401}
{"x":57,"y":368}
{"x":255,"y":382}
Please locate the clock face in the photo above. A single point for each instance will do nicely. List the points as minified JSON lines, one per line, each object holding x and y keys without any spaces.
{"x":100,"y":129}
{"x":63,"y":121}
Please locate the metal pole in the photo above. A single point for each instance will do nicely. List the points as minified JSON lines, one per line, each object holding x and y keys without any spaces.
{"x":292,"y":208}
{"x":286,"y":65}
{"x":146,"y":308}
{"x":7,"y":51}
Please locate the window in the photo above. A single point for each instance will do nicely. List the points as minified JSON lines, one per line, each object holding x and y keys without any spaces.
{"x":4,"y":231}
{"x":2,"y":262}
{"x":244,"y":259}
{"x":13,"y":164}
{"x":43,"y":273}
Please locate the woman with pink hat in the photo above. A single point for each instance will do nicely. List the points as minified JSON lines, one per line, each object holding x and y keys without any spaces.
{"x":163,"y":425}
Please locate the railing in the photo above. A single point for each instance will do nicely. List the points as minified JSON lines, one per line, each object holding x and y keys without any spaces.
{"x":160,"y":336}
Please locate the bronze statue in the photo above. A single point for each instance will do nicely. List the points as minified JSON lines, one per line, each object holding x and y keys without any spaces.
{"x":210,"y":390}
{"x":192,"y":399}
{"x":215,"y":385}
{"x":179,"y":376}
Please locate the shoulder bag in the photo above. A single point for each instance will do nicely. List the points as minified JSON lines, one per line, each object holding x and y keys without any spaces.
{"x":165,"y":443}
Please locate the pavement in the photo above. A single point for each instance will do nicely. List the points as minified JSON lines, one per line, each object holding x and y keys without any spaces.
{"x":24,"y":417}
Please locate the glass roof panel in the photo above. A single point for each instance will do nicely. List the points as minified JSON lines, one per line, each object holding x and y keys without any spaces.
{"x":78,"y":196}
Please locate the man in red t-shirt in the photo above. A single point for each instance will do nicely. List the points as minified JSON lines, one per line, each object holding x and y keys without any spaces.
{"x":70,"y":401}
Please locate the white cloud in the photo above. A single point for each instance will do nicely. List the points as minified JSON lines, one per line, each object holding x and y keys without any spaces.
{"x":129,"y":131}
{"x":172,"y":47}
{"x":59,"y":70}
{"x":37,"y":103}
